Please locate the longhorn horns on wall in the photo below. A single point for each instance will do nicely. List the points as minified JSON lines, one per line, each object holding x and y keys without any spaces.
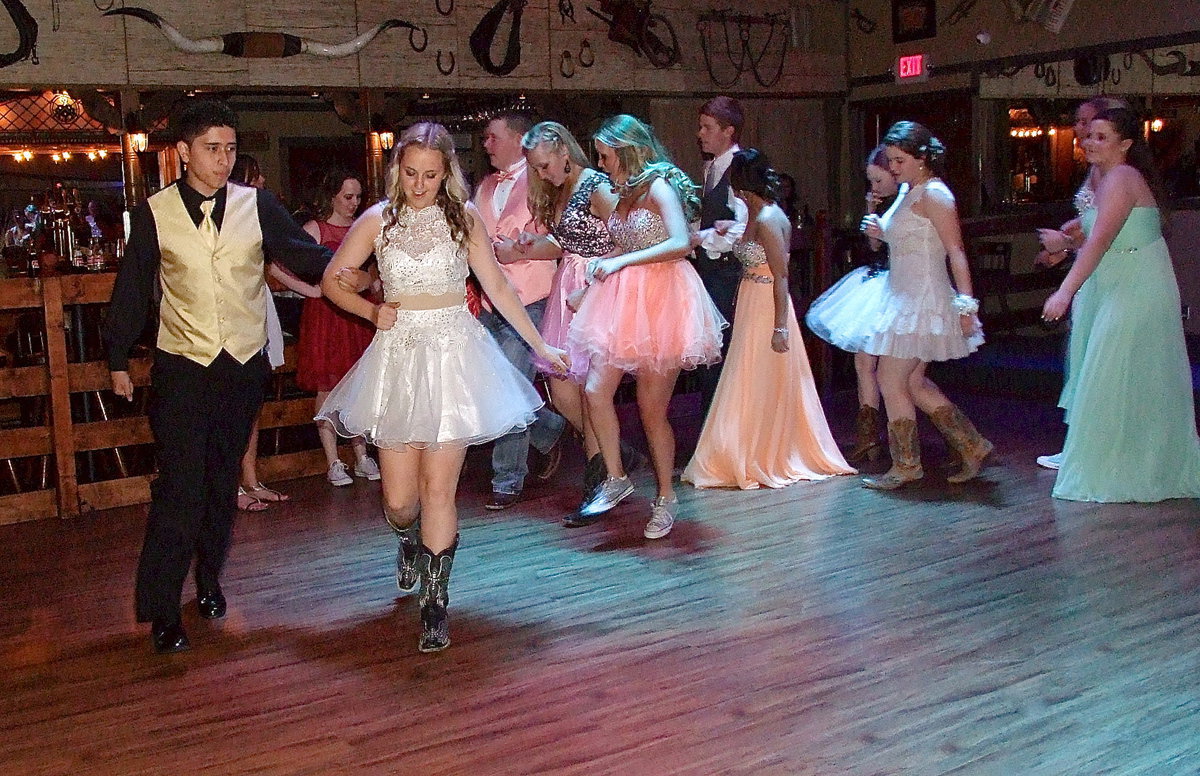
{"x":261,"y":45}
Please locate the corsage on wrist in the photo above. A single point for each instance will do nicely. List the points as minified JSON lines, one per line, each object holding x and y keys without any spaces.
{"x":965,"y":305}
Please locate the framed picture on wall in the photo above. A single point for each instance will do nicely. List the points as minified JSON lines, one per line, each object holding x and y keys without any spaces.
{"x":913,"y":20}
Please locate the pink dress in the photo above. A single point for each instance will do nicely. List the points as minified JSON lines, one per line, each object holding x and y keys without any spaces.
{"x":654,"y":317}
{"x":766,"y":426}
{"x":582,"y":236}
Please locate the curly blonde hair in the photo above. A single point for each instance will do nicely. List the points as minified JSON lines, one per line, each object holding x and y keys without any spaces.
{"x":643,"y":158}
{"x":453,"y":194}
{"x":543,"y":196}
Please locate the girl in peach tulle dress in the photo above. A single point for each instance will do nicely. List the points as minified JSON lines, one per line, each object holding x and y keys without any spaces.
{"x":645,"y":313}
{"x":766,"y":426}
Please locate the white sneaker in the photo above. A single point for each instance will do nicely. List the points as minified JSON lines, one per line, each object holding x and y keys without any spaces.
{"x":662,"y":518}
{"x":367,"y":468}
{"x":337,"y":475}
{"x":1050,"y":461}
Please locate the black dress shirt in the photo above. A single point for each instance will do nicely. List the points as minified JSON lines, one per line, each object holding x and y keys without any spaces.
{"x":137,"y":279}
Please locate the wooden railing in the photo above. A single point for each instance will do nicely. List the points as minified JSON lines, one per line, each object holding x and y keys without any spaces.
{"x":59,"y":439}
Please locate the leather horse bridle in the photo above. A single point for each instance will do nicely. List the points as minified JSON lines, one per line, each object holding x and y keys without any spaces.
{"x":485,"y":32}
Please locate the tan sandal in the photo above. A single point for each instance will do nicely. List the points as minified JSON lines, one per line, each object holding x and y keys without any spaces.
{"x":248,"y":503}
{"x":259,"y":490}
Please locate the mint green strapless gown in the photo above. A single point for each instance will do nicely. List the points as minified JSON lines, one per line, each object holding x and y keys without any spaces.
{"x":1131,"y":423}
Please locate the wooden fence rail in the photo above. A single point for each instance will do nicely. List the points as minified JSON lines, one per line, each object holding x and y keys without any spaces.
{"x":60,"y":438}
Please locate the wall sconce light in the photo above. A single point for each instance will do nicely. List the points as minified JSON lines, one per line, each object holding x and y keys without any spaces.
{"x":386,"y":140}
{"x":139,"y":141}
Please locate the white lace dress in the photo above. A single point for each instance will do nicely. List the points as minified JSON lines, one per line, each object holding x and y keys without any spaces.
{"x":917,"y":318}
{"x":437,"y":377}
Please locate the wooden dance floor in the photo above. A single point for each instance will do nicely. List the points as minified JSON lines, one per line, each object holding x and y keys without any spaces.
{"x":819,"y":629}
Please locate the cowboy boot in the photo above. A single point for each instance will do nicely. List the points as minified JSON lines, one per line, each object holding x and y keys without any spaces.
{"x":593,"y":474}
{"x":961,"y":434}
{"x":407,"y":551}
{"x":867,"y":432}
{"x":434,"y":569}
{"x":905,"y":446}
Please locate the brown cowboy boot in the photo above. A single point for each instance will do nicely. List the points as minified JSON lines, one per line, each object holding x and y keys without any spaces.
{"x":964,"y":438}
{"x":905,"y":446}
{"x":868,"y":429}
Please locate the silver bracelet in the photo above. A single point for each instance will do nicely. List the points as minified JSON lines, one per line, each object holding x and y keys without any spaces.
{"x":965,"y":305}
{"x":781,"y":330}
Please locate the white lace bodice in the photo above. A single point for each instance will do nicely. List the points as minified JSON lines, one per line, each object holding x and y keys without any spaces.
{"x":417,"y":255}
{"x":917,"y":256}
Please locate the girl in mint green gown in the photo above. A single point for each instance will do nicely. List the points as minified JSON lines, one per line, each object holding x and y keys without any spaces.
{"x":1131,"y":433}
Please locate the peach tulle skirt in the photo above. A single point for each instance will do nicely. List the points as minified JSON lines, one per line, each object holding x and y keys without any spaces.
{"x":766,"y":426}
{"x":653,"y":317}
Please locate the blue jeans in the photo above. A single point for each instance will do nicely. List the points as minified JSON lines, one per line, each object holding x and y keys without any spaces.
{"x":510,"y":454}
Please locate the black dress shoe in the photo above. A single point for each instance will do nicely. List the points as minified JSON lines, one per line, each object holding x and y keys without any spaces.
{"x":501,"y":500}
{"x":211,"y":603}
{"x":168,"y":636}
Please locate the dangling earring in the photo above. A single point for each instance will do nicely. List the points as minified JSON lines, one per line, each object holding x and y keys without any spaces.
{"x":567,"y":169}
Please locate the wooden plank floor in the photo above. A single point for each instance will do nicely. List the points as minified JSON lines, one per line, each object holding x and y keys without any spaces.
{"x":820,"y":629}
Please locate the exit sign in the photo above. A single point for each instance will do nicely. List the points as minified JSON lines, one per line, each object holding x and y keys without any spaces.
{"x":914,"y":67}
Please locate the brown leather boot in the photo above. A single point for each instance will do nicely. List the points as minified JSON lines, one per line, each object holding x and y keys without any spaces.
{"x":964,"y":438}
{"x":905,"y":446}
{"x":868,"y":431}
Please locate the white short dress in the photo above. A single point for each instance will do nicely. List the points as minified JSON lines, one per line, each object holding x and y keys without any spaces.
{"x":917,"y":318}
{"x":437,"y":377}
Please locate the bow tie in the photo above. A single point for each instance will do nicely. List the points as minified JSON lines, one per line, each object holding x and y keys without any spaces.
{"x":505,"y":175}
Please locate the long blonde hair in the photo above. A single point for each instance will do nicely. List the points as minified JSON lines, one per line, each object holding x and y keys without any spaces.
{"x":643,"y":159}
{"x":543,"y":196}
{"x":453,"y":193}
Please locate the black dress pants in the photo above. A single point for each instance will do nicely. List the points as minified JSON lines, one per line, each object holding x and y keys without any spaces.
{"x":201,"y":418}
{"x":721,"y":278}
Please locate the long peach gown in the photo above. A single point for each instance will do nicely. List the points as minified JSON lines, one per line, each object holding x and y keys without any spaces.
{"x":766,"y":425}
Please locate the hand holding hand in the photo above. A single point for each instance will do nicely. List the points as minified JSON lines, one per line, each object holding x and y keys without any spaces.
{"x":1054,"y":241}
{"x":507,"y":250}
{"x":353,"y":280}
{"x":121,"y":385}
{"x":603,"y":268}
{"x":384,"y":316}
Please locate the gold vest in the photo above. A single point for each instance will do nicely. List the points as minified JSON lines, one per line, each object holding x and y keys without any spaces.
{"x":214,"y":297}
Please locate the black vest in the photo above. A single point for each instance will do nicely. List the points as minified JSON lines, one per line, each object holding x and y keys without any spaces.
{"x":714,"y":206}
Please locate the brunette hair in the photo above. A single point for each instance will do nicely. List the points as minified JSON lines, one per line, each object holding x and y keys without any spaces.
{"x":728,"y":113}
{"x":878,"y":156}
{"x":543,"y":196}
{"x":1128,"y":126}
{"x":643,"y":159}
{"x":917,"y":141}
{"x":1101,"y":103}
{"x":328,"y":187}
{"x":453,"y":193}
{"x":751,"y":171}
